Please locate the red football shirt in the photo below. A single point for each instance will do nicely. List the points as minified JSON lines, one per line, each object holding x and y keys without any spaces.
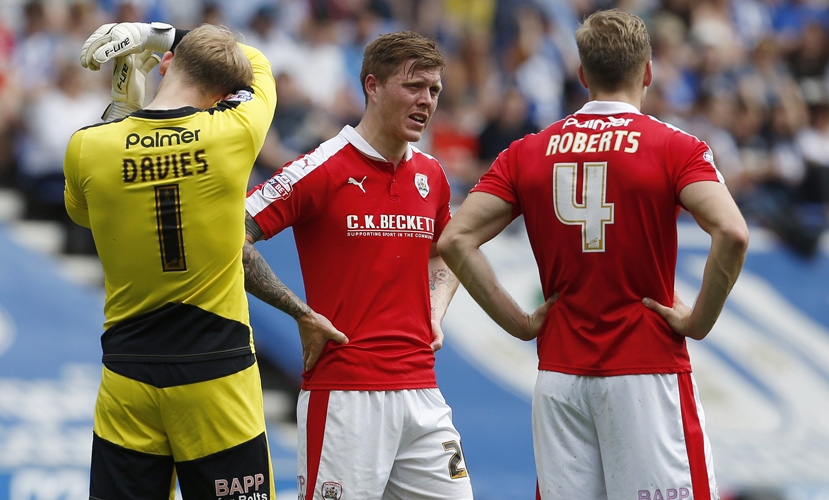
{"x":363,"y":232}
{"x":599,"y":192}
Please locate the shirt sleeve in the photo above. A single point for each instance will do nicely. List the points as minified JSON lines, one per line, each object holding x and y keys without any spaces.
{"x":73,"y":196}
{"x":499,"y":180}
{"x":286,"y":197}
{"x":260,"y":107}
{"x":695,"y":162}
{"x":444,"y":210}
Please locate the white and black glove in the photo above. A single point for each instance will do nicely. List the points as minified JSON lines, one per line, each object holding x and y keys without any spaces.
{"x":112,"y":41}
{"x":129,"y":83}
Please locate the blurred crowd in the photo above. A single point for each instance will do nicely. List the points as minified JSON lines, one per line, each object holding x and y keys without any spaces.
{"x":750,"y":77}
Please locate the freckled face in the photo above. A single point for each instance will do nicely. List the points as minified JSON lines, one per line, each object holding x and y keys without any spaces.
{"x":407,"y":101}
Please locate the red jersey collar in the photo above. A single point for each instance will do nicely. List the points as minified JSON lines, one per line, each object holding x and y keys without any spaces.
{"x":355,"y":139}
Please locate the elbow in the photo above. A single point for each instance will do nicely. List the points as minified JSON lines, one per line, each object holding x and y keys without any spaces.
{"x":737,"y":237}
{"x":446,"y":246}
{"x":79,"y":217}
{"x":452,"y":247}
{"x":697,"y":335}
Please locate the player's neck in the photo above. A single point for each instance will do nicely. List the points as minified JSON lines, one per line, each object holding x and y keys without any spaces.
{"x":390,"y":147}
{"x":635,"y":99}
{"x":171,"y":96}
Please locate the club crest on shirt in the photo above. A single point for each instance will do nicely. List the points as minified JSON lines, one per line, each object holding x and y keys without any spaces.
{"x":277,"y":187}
{"x":422,"y":184}
{"x":331,"y":490}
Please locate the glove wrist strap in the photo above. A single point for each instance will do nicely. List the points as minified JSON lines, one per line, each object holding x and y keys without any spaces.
{"x":117,"y":110}
{"x":157,"y":37}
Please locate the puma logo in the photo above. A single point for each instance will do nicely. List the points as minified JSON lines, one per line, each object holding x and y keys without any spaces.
{"x":359,"y":184}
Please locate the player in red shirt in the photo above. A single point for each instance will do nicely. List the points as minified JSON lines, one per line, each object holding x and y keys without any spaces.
{"x":615,"y":409}
{"x":367,"y":208}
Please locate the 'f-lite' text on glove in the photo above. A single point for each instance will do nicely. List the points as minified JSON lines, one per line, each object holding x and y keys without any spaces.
{"x":129,"y":84}
{"x":113,"y":41}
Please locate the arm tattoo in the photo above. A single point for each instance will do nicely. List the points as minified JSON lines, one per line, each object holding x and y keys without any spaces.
{"x":442,"y":286}
{"x":252,"y":228}
{"x":261,"y":281}
{"x":440,"y":277}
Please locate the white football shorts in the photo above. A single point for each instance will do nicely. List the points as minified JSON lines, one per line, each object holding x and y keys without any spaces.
{"x":379,"y":445}
{"x":630,"y":437}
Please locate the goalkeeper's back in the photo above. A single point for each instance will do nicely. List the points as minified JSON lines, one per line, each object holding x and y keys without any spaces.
{"x":163,"y":192}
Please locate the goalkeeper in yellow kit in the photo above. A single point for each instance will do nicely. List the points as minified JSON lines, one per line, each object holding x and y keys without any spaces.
{"x":163,"y":190}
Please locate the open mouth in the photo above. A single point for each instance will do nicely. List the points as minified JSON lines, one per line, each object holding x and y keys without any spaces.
{"x":419,"y":118}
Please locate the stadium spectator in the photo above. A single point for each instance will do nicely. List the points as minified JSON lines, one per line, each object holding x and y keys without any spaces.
{"x":264,"y":31}
{"x":36,"y":48}
{"x":40,"y":153}
{"x":10,"y":103}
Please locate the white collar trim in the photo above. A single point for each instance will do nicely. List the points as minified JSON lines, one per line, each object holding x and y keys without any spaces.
{"x":351,"y":135}
{"x":607,"y":108}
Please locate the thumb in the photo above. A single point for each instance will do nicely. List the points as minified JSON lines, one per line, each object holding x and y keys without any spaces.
{"x":338,"y":337}
{"x":549,"y":303}
{"x":437,"y":338}
{"x":654,"y":305}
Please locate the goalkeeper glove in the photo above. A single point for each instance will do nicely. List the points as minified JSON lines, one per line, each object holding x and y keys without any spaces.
{"x":93,"y":43}
{"x":129,"y":84}
{"x":113,"y":41}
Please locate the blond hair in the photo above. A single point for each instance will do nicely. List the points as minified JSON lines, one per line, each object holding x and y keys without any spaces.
{"x":211,"y":60}
{"x":387,"y":53}
{"x":614,"y":48}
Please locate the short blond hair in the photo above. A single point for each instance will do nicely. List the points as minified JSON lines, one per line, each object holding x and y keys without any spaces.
{"x":614,"y":48}
{"x":211,"y":60}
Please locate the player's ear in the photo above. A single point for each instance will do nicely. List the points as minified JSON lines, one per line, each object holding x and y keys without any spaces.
{"x":582,"y":79}
{"x":371,"y":84}
{"x":648,"y":79}
{"x":164,"y":65}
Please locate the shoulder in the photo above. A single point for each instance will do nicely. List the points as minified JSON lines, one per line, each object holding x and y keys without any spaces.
{"x":317,"y":164}
{"x":420,"y":157}
{"x":99,"y":125}
{"x":426,"y":164}
{"x":99,"y":133}
{"x":676,"y":133}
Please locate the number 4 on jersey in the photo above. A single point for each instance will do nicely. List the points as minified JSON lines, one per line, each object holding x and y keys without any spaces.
{"x":593,"y":212}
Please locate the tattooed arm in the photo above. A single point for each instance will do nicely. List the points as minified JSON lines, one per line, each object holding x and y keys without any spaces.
{"x":442,"y":287}
{"x":261,"y":282}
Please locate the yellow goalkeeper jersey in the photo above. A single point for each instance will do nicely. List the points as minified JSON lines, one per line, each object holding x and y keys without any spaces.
{"x":164,"y":195}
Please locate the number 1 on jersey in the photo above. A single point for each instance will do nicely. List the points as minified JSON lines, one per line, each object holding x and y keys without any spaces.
{"x":168,"y":217}
{"x":593,"y":212}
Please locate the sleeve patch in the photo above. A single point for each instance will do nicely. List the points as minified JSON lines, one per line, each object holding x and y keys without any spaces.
{"x":241,"y":96}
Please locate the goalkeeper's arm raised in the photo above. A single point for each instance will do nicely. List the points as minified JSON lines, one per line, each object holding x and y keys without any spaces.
{"x":129,"y":84}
